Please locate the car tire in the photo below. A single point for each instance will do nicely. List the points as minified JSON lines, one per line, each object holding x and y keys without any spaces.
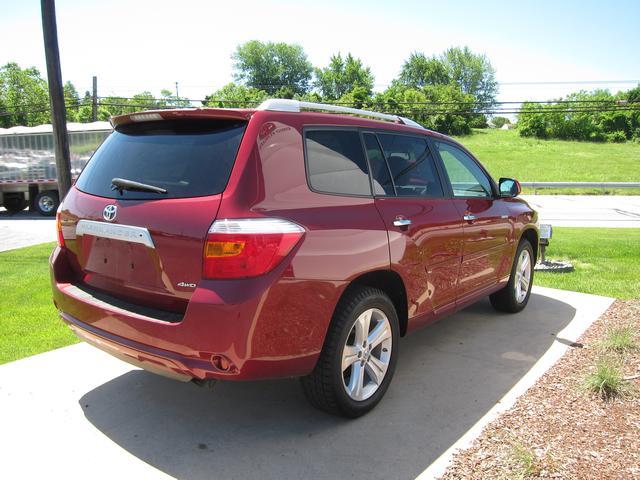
{"x":46,"y":203}
{"x":515,"y":295}
{"x":14,"y":203}
{"x":359,"y":355}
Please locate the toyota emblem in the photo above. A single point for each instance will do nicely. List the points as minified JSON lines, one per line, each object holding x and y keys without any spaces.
{"x":109,"y":213}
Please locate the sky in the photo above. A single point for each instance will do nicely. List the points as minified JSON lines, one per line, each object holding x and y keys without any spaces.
{"x":137,"y":45}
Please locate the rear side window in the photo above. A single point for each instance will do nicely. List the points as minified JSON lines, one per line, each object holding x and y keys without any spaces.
{"x":187,"y":158}
{"x":412,"y":166}
{"x":336,"y":162}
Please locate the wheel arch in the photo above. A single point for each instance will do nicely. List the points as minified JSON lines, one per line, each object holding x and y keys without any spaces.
{"x":390,"y":283}
{"x":531,"y":235}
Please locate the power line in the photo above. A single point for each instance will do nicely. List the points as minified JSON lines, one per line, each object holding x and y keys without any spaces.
{"x":391,"y":109}
{"x":515,"y":82}
{"x":489,"y":103}
{"x":400,"y":108}
{"x":572,"y":82}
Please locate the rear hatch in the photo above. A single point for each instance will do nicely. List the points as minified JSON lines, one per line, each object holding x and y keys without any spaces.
{"x":143,"y":244}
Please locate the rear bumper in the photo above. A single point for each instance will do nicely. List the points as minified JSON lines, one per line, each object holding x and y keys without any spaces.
{"x":162,"y":362}
{"x":265,"y":328}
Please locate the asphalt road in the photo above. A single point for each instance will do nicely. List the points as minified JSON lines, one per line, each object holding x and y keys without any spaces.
{"x":26,"y":228}
{"x":616,"y":211}
{"x":77,"y":412}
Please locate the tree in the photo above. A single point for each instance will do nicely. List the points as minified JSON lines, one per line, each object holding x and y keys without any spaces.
{"x":72,"y":101}
{"x":169,"y":100}
{"x":235,"y":96}
{"x":419,"y":71}
{"x":498,"y":122}
{"x":23,"y":96}
{"x":113,"y":106}
{"x":271,"y":66}
{"x":473,"y":73}
{"x":342,"y":76}
{"x":443,"y":108}
{"x":591,"y":116}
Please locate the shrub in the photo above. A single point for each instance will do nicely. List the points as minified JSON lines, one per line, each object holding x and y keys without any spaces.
{"x":620,"y":340}
{"x":590,"y":116}
{"x":616,"y":137}
{"x":606,"y":381}
{"x":498,"y":122}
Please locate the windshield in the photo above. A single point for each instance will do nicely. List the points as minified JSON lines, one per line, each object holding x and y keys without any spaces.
{"x":186,"y":158}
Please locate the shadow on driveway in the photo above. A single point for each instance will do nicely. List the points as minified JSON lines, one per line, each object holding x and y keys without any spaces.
{"x":448,"y":376}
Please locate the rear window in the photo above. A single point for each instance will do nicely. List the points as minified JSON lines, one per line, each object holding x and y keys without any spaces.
{"x":412,"y":166}
{"x":336,"y":162}
{"x":187,"y":158}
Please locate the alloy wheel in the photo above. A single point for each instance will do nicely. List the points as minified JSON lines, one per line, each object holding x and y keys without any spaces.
{"x":523,"y":276}
{"x":366,"y":354}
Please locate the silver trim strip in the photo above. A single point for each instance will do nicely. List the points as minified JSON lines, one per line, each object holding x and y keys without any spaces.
{"x":126,"y":233}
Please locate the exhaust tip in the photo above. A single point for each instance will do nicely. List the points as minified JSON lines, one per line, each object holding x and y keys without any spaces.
{"x":222,"y":363}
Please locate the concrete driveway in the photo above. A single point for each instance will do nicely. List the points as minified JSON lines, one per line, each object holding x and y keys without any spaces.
{"x":78,"y":412}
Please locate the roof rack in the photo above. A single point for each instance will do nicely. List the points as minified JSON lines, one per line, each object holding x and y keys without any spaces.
{"x":286,"y":105}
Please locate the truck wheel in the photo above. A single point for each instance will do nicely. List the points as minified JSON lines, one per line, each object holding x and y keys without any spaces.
{"x":359,"y":355}
{"x":14,"y":203}
{"x":515,"y":296}
{"x":46,"y":203}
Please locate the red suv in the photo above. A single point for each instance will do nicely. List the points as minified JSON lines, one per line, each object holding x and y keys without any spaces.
{"x":224,"y":244}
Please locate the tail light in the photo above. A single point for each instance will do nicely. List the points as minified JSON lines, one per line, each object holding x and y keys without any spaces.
{"x":248,"y":247}
{"x":59,"y":229}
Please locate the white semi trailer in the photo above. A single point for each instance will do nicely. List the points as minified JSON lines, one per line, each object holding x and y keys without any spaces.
{"x":28,"y":165}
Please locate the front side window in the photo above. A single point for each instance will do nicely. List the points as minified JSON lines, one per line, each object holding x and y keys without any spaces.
{"x":411,"y":165}
{"x":336,"y":162}
{"x":466,"y":177}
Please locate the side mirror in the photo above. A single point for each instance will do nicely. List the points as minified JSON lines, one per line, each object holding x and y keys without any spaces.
{"x":509,"y":187}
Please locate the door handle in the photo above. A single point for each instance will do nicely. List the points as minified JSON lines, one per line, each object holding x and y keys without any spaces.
{"x":469,"y":218}
{"x":402,"y":222}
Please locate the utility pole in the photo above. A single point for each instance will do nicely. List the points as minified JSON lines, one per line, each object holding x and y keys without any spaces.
{"x":56,"y":96}
{"x":94,"y":100}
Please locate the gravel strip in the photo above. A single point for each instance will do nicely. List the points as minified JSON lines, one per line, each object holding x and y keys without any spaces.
{"x":559,"y":430}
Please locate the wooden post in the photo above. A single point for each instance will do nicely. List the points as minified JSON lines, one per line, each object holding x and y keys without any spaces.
{"x":56,"y":96}
{"x":94,"y":100}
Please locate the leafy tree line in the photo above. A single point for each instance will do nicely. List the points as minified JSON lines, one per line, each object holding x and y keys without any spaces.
{"x":442,"y":92}
{"x":24,"y":100}
{"x":591,"y":116}
{"x":264,"y":70}
{"x":447,"y":92}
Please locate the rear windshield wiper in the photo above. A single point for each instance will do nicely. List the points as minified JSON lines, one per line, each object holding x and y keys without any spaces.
{"x":121,"y":184}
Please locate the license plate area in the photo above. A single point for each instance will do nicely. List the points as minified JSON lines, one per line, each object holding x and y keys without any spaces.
{"x":120,"y":253}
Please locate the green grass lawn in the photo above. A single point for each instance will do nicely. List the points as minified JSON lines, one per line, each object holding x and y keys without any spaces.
{"x":506,"y":154}
{"x":606,"y":261}
{"x":29,"y":323}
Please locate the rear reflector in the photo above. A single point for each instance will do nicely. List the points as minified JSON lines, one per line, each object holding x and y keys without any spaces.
{"x":248,"y":247}
{"x":59,"y":229}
